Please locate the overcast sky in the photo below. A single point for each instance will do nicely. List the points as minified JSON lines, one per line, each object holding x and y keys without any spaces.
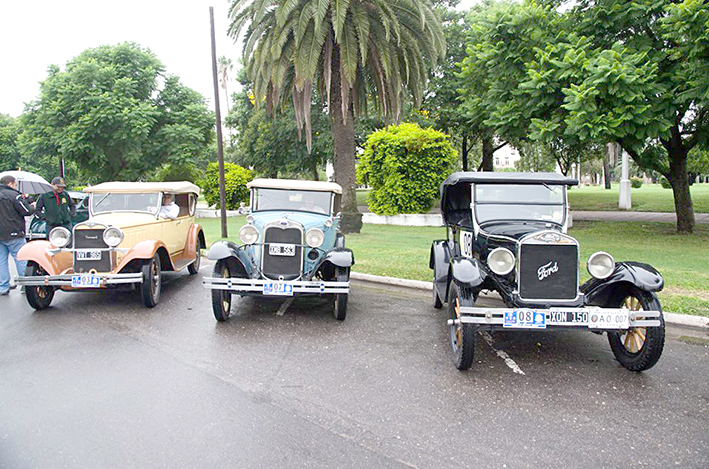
{"x":37,"y":33}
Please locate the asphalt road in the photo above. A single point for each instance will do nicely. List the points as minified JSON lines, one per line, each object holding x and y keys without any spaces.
{"x":99,"y":381}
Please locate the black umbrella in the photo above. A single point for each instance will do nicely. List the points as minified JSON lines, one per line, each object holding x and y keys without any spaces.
{"x":29,"y":183}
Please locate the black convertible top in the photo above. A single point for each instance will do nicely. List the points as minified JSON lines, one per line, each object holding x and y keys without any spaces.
{"x":455,"y":190}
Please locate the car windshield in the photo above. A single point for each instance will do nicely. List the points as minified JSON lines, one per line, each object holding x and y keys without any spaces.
{"x":122,"y":202}
{"x":542,"y":202}
{"x":303,"y":201}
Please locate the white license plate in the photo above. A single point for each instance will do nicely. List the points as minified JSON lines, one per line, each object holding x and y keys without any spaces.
{"x":88,"y":255}
{"x":601,"y":320}
{"x":278,"y":288}
{"x":524,"y":319}
{"x":277,"y":249}
{"x":85,"y":281}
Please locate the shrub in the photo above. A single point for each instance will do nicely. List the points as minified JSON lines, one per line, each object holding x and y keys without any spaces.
{"x":235,"y":179}
{"x":405,"y":165}
{"x":665,"y":183}
{"x":174,"y":172}
{"x":636,"y":182}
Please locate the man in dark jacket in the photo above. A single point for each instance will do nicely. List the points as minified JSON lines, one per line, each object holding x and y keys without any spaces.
{"x":57,"y":206}
{"x":13,"y":210}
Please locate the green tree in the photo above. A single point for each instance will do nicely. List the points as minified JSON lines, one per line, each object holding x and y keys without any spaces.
{"x":10,"y":157}
{"x":235,"y":180}
{"x":345,"y":49}
{"x":405,"y":165}
{"x":114,"y":113}
{"x":225,"y":67}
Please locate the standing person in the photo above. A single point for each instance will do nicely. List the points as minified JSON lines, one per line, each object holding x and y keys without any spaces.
{"x":57,"y":205}
{"x":13,"y":210}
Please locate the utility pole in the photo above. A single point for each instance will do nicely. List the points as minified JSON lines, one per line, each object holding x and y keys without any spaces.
{"x":220,"y":147}
{"x":624,"y":202}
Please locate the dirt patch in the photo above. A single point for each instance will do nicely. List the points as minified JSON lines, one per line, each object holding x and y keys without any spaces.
{"x":686,"y":292}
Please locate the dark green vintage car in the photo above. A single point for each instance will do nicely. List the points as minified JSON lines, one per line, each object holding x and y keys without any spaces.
{"x":37,"y":227}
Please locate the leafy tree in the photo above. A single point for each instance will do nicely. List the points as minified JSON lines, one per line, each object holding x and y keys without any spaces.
{"x":345,"y":49}
{"x":10,"y":157}
{"x":405,"y":165}
{"x":225,"y":67}
{"x":113,"y":113}
{"x":235,"y":180}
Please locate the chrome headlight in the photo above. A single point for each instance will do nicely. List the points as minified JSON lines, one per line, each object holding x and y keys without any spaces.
{"x":248,"y":234}
{"x":501,"y":261}
{"x":112,"y":236}
{"x":59,"y":236}
{"x":600,"y":265}
{"x":314,"y":237}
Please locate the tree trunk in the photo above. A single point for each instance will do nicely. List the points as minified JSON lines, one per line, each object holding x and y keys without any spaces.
{"x":465,"y":152}
{"x":606,"y":171}
{"x":488,"y":150}
{"x":314,"y":172}
{"x":343,"y":136}
{"x":679,"y":181}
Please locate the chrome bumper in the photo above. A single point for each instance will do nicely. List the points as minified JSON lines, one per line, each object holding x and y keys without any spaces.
{"x":65,"y":280}
{"x":558,"y":317}
{"x":243,"y":285}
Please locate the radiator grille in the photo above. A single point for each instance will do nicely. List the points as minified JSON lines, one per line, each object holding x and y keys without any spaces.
{"x":548,"y":271}
{"x":91,"y":239}
{"x":286,"y":266}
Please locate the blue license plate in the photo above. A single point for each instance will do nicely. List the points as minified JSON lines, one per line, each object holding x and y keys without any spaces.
{"x":85,"y":281}
{"x":278,"y":288}
{"x":525,"y":319}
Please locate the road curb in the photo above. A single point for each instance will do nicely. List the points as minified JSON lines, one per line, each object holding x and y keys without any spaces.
{"x":686,"y":320}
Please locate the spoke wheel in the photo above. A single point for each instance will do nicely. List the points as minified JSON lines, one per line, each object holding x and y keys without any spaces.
{"x":38,"y":297}
{"x":639,"y":348}
{"x":221,"y":299}
{"x":193,"y":268}
{"x":462,"y":336}
{"x":152,"y":281}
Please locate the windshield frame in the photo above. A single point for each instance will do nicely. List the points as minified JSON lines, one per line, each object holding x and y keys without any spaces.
{"x":254,"y":201}
{"x":563,"y":204}
{"x":102,"y":195}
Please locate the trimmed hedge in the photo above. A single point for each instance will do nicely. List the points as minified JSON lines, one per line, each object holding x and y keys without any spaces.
{"x":235,"y":179}
{"x":636,"y":182}
{"x":405,"y":165}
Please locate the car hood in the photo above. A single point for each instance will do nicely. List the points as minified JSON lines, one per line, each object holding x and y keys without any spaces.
{"x":125,"y":220}
{"x":517,"y":230}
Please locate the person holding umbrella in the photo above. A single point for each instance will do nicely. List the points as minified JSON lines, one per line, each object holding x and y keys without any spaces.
{"x":57,"y":206}
{"x":13,"y":210}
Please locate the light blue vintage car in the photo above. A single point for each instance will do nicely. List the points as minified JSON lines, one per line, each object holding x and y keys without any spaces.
{"x":290,"y":246}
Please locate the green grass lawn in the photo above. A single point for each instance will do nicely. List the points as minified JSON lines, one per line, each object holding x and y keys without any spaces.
{"x":397,"y":251}
{"x":648,"y":198}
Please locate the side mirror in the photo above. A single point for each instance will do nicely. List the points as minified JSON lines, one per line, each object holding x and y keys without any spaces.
{"x":243,"y":209}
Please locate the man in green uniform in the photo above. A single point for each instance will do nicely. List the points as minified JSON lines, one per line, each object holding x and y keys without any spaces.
{"x":57,"y":206}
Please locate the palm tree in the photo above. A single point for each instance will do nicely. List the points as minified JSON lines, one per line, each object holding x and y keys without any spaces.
{"x":356,"y":52}
{"x":225,"y":67}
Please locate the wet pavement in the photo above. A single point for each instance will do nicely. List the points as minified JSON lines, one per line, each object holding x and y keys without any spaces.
{"x":98,"y":380}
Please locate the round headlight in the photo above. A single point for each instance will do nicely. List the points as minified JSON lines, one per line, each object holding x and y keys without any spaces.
{"x":112,"y":236}
{"x":248,"y":234}
{"x":314,"y":237}
{"x":600,"y":265}
{"x":501,"y":261}
{"x":59,"y":236}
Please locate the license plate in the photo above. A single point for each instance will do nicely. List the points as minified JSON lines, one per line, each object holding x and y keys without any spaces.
{"x":277,"y":249}
{"x":568,"y":317}
{"x":85,"y":281}
{"x":601,"y":320}
{"x":88,"y":255}
{"x":278,"y":288}
{"x":524,"y":319}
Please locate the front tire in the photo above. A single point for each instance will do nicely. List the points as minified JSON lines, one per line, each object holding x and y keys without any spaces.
{"x":38,"y":297}
{"x":193,"y":268}
{"x":639,"y":348}
{"x":221,"y":299}
{"x":340,"y":307}
{"x":462,"y":336}
{"x":152,"y":281}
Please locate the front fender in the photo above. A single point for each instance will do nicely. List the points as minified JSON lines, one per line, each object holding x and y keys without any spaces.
{"x":643,"y":276}
{"x":36,"y":251}
{"x":439,"y":262}
{"x":143,"y":250}
{"x":227,"y":250}
{"x":467,"y":272}
{"x":339,"y":257}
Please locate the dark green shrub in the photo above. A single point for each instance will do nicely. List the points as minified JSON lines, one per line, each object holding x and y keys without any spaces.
{"x":405,"y":165}
{"x":665,"y":183}
{"x":636,"y":182}
{"x":235,"y":179}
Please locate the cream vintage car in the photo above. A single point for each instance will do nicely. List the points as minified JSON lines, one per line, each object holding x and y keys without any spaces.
{"x":129,"y":238}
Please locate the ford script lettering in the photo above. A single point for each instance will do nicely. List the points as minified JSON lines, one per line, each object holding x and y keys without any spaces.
{"x":547,"y":269}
